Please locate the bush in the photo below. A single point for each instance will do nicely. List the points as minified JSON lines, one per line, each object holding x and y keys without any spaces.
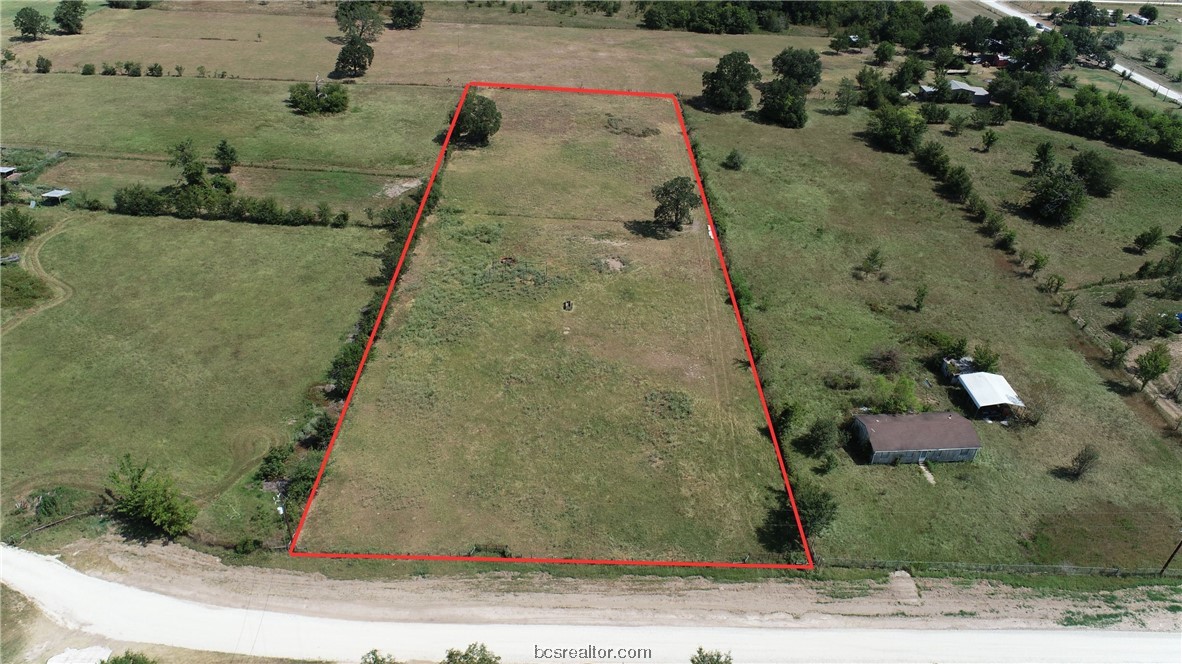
{"x":406,"y":15}
{"x":1149,"y":239}
{"x":782,"y":102}
{"x":985,"y":358}
{"x":932,"y":158}
{"x":274,"y":463}
{"x":822,"y":436}
{"x":140,"y":201}
{"x":323,"y":99}
{"x":1084,"y":460}
{"x":1124,"y":324}
{"x":155,"y":70}
{"x":976,"y":206}
{"x":734,"y":161}
{"x":43,"y":65}
{"x":894,"y":397}
{"x":132,"y":69}
{"x":88,"y":70}
{"x":994,"y":224}
{"x":934,"y":113}
{"x":896,"y":129}
{"x":1057,"y":195}
{"x":109,"y":70}
{"x":1124,"y":297}
{"x":149,"y":499}
{"x":958,"y":183}
{"x":886,"y":360}
{"x":17,"y":225}
{"x":1006,"y":240}
{"x":1097,"y":172}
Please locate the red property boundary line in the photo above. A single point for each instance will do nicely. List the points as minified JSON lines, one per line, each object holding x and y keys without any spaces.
{"x":382,"y":312}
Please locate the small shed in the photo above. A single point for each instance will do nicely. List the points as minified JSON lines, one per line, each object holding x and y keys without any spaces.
{"x":5,"y":171}
{"x":990,"y":392}
{"x":56,"y":195}
{"x":919,"y":437}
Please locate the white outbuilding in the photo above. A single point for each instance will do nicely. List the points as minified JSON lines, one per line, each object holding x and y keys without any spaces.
{"x":989,"y":390}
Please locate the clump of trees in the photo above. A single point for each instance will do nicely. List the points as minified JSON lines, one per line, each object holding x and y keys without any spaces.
{"x":726,"y":88}
{"x":405,"y":15}
{"x":782,"y":100}
{"x":318,"y":98}
{"x":708,"y":17}
{"x":676,"y":199}
{"x":1097,"y":172}
{"x":898,"y":129}
{"x":1057,"y":195}
{"x":479,"y":120}
{"x":149,"y":499}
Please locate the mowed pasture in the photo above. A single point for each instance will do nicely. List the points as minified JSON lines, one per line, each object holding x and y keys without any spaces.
{"x":188,"y":344}
{"x":629,"y":427}
{"x":387,"y":129}
{"x":799,"y":226}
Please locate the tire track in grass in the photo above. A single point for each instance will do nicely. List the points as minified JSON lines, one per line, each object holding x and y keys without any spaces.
{"x":31,"y":262}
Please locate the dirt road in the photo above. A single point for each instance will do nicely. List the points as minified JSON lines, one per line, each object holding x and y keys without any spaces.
{"x":175,"y":596}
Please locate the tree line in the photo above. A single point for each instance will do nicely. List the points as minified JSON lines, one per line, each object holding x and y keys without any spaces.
{"x":782,"y":99}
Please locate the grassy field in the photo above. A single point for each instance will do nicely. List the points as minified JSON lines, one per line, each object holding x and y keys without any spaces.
{"x":101,"y":176}
{"x":189,"y":344}
{"x":827,"y":207}
{"x":628,"y":427}
{"x":386,"y":128}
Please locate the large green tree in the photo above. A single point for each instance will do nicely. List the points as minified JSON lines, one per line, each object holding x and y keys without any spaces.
{"x":1057,"y":196}
{"x":479,"y":120}
{"x":800,"y":65}
{"x":359,"y":17}
{"x":68,"y":15}
{"x":726,"y":88}
{"x":183,"y":156}
{"x":355,"y":56}
{"x":405,"y":15}
{"x":1097,"y":171}
{"x":476,"y":653}
{"x":30,"y":23}
{"x":1152,"y":364}
{"x":782,"y":102}
{"x":898,"y":129}
{"x":675,"y":200}
{"x":149,"y":499}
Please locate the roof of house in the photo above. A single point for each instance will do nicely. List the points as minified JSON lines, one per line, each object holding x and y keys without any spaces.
{"x":988,"y":389}
{"x":7,"y":169}
{"x":56,"y":193}
{"x":961,"y":85}
{"x":920,"y":431}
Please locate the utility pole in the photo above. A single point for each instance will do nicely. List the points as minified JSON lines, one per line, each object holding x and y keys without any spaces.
{"x":1171,"y":558}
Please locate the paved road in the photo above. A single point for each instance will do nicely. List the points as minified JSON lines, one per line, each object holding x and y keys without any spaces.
{"x":1139,"y":79}
{"x":125,"y":613}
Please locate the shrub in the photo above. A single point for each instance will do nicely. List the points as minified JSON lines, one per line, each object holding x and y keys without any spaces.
{"x":1117,"y":352}
{"x":957,"y":123}
{"x":896,"y":129}
{"x":1097,"y":172}
{"x":985,"y":358}
{"x":109,"y":70}
{"x":324,"y":99}
{"x":1054,"y":284}
{"x":1149,"y":239}
{"x":822,"y":436}
{"x":155,"y":70}
{"x":782,"y":102}
{"x":149,"y":499}
{"x":894,"y":397}
{"x":734,"y":161}
{"x":43,"y":65}
{"x":132,"y":69}
{"x":1123,"y":297}
{"x":406,"y":15}
{"x":139,"y":200}
{"x":1006,"y":240}
{"x":976,"y":206}
{"x":1124,"y":324}
{"x":886,"y":360}
{"x":958,"y":183}
{"x":1084,"y":460}
{"x":1057,"y":195}
{"x":934,"y":113}
{"x":17,"y":225}
{"x":88,"y":70}
{"x":994,"y":224}
{"x":1152,"y":364}
{"x":932,"y":158}
{"x":274,"y":463}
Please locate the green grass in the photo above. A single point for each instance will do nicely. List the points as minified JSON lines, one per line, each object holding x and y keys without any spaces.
{"x":19,"y":289}
{"x":386,"y":128}
{"x":1091,"y":620}
{"x":16,"y":612}
{"x":188,"y":344}
{"x":827,"y":206}
{"x":625,"y":428}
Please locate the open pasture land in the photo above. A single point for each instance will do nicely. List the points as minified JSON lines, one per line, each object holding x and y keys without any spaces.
{"x":626,"y":428}
{"x":387,"y":129}
{"x":797,"y":228}
{"x":188,"y":344}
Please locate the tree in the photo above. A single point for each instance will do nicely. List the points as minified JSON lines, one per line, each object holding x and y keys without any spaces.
{"x":802,"y":66}
{"x":479,"y":120}
{"x":973,"y":36}
{"x":1084,"y":460}
{"x":873,"y":262}
{"x":1057,"y":196}
{"x":958,"y":183}
{"x":1084,"y":13}
{"x":17,"y":225}
{"x":155,"y":70}
{"x":1117,"y":351}
{"x":68,"y":15}
{"x":358,"y":17}
{"x":43,"y":66}
{"x":1148,"y":11}
{"x":30,"y":23}
{"x":822,"y":436}
{"x":1012,"y":34}
{"x":1152,"y":364}
{"x":734,"y":161}
{"x":896,"y":129}
{"x":375,"y":657}
{"x":846,"y":97}
{"x":726,"y":88}
{"x":1044,"y":158}
{"x":129,"y":657}
{"x":988,"y":139}
{"x":782,"y":102}
{"x":149,"y":499}
{"x":184,"y":157}
{"x":675,"y":200}
{"x":711,"y":657}
{"x":908,"y":73}
{"x":477,"y":653}
{"x":816,"y":506}
{"x":309,"y":100}
{"x":1149,"y":239}
{"x":956,"y":124}
{"x":932,"y":159}
{"x":1097,"y":172}
{"x":921,"y":296}
{"x":1124,"y":297}
{"x":406,"y":15}
{"x":884,"y":53}
{"x":985,"y":358}
{"x":355,"y":56}
{"x":225,"y":155}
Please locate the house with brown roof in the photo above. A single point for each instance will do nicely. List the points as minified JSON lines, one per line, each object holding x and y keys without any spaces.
{"x":918,"y":437}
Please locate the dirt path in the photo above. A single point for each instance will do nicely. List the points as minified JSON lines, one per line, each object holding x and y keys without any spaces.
{"x":31,"y":261}
{"x":157,"y":594}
